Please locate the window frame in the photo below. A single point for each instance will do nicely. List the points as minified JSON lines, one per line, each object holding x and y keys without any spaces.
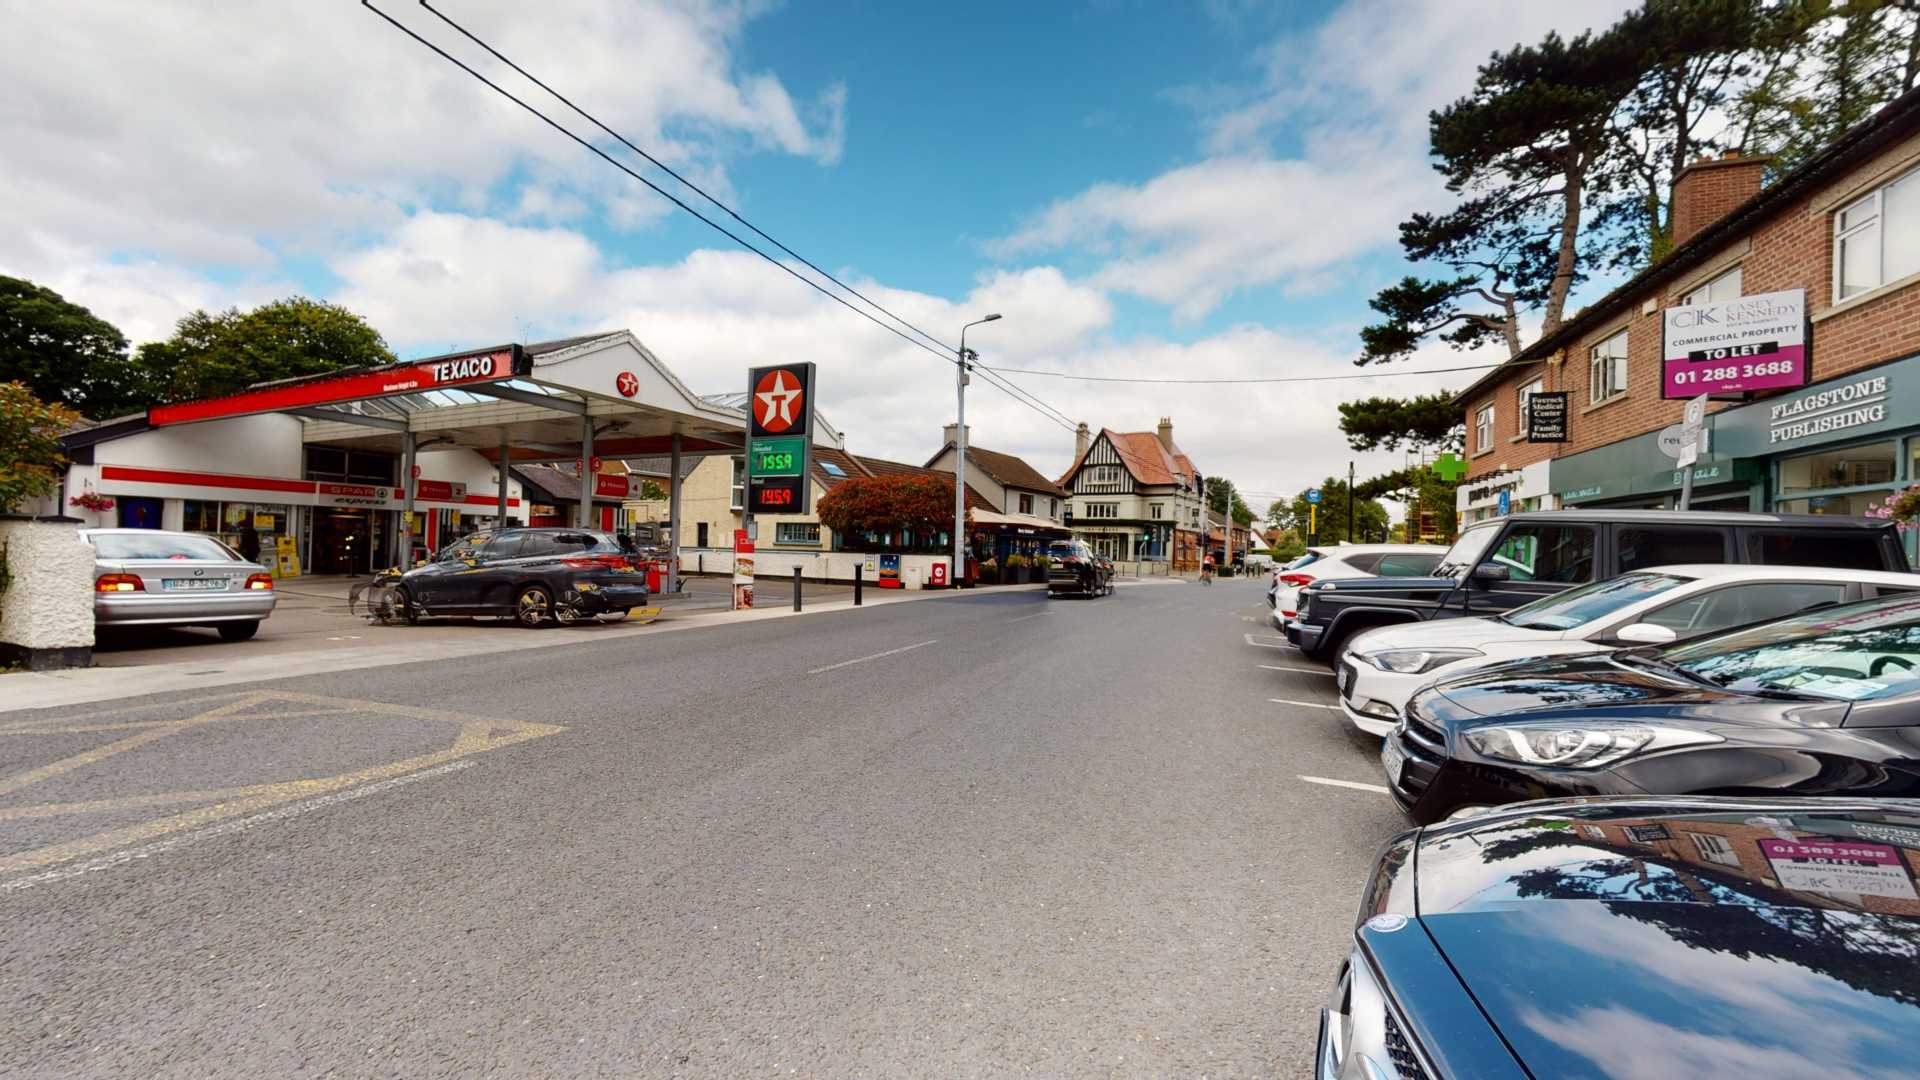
{"x":1483,"y":420}
{"x":737,"y":493}
{"x":783,"y":530}
{"x":1877,"y":223}
{"x":1524,"y":395}
{"x":1598,"y":359}
{"x":1703,"y":292}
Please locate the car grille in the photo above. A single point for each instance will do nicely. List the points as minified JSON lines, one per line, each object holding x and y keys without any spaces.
{"x":1405,"y":1061}
{"x":1426,"y":750}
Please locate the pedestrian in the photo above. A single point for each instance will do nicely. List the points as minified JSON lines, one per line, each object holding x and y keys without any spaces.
{"x":249,"y":542}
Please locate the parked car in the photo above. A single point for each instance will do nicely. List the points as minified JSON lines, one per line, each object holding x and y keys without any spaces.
{"x":1381,"y":669}
{"x":1502,"y":563}
{"x":1073,"y":567}
{"x":1636,"y":938}
{"x":530,"y":575}
{"x":154,"y":577}
{"x":1826,"y":703}
{"x":1344,"y":561}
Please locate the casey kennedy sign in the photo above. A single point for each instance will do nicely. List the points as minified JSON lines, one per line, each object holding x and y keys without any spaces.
{"x":1753,"y":343}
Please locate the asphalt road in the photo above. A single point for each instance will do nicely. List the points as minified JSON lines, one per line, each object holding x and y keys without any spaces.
{"x":1056,"y":837}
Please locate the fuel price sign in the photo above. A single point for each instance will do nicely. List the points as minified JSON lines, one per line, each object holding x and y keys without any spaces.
{"x":779,"y":457}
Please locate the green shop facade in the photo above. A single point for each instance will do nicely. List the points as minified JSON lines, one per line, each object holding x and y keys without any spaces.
{"x":1838,"y":446}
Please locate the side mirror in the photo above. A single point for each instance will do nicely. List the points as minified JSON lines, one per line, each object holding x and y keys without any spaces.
{"x":1644,"y":633}
{"x":1487,"y":571}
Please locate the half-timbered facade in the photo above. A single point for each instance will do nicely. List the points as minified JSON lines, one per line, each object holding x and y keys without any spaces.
{"x":1136,"y":498}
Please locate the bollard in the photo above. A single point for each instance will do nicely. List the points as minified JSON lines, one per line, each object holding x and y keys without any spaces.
{"x":859,"y":575}
{"x":796,"y":588}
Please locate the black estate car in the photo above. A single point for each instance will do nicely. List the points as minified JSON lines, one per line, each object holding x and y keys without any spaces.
{"x":529,"y":575}
{"x":1502,"y":563}
{"x":1824,"y":703}
{"x":1758,"y":939}
{"x":1073,"y":567}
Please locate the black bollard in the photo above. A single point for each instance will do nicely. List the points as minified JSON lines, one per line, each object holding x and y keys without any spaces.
{"x":859,"y":575}
{"x":796,"y":588}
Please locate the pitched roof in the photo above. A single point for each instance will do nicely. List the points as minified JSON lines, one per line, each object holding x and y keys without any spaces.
{"x":883,"y":467}
{"x":848,"y":465}
{"x":1009,"y":471}
{"x":1144,"y":457}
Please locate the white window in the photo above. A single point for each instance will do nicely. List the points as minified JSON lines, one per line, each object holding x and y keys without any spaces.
{"x":1715,"y":848}
{"x":1026,"y":504}
{"x":1103,"y":510}
{"x":1053,"y":508}
{"x":1483,"y":428}
{"x":1724,"y":287}
{"x":1607,"y":368}
{"x":1526,"y":402}
{"x":1105,"y":476}
{"x":1157,"y":510}
{"x":737,"y":497}
{"x":1877,"y":239}
{"x":796,"y":532}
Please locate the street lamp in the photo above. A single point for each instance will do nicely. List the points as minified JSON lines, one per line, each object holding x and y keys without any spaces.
{"x":960,"y":456}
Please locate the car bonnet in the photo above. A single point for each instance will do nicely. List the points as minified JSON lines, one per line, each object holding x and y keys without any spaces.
{"x":1634,"y":938}
{"x":1449,"y":633}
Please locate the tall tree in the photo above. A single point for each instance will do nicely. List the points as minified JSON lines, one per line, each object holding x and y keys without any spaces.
{"x":1426,"y":422}
{"x":1219,"y":489}
{"x":1330,"y":521}
{"x":211,"y":355}
{"x":65,"y":355}
{"x":1830,"y":65}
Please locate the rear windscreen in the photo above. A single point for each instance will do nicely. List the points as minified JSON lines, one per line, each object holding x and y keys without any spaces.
{"x":1840,"y":550}
{"x":159,"y":546}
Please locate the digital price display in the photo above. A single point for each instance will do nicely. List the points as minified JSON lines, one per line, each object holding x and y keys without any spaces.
{"x":779,"y":457}
{"x":776,"y":495}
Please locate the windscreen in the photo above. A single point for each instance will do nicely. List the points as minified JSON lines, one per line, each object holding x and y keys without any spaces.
{"x":1466,"y":551}
{"x":1865,"y":650}
{"x":158,"y":545}
{"x":1577,"y":607}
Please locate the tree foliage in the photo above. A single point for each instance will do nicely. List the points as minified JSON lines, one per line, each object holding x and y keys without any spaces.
{"x":1219,"y":488}
{"x":1370,"y":518}
{"x":212,"y":355}
{"x":1426,"y":422}
{"x":915,"y":506}
{"x":30,"y":457}
{"x":651,"y":490}
{"x":65,"y":355}
{"x":1824,"y":66}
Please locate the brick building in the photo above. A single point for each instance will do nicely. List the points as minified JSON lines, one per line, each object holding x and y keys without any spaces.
{"x":1831,"y":250}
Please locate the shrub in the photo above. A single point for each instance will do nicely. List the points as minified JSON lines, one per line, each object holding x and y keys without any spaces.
{"x":30,"y":457}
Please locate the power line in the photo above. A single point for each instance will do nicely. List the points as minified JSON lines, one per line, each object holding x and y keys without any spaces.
{"x":1275,"y":379}
{"x":1022,"y":396}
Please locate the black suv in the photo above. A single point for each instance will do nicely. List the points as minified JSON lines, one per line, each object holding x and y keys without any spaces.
{"x":1499,"y":564}
{"x":1074,"y":567}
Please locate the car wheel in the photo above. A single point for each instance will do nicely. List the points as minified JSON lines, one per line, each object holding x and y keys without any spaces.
{"x":532,"y":606}
{"x":237,"y":631}
{"x":409,"y":610}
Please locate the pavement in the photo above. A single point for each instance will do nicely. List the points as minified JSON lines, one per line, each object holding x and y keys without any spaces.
{"x":976,"y":834}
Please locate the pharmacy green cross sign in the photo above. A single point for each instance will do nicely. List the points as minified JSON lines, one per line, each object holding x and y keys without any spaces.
{"x":1450,"y":467}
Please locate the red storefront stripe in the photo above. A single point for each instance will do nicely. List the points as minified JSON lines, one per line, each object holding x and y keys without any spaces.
{"x":136,"y":475}
{"x":487,"y":366}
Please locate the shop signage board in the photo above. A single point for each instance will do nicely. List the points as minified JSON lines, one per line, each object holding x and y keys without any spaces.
{"x":488,"y":365}
{"x":780,"y":407}
{"x":1547,"y":417}
{"x":1752,"y":343}
{"x":1882,"y":399}
{"x":329,"y":494}
{"x":610,"y":485}
{"x":1839,"y":866}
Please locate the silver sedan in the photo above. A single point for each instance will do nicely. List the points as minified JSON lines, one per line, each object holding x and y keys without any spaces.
{"x":151,"y":577}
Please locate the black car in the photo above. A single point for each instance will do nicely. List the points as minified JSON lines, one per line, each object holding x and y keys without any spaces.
{"x":1499,"y":564}
{"x":1824,"y":703}
{"x":530,"y":575}
{"x":1637,"y":938}
{"x":1073,"y":567}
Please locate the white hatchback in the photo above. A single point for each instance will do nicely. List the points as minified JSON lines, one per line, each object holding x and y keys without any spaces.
{"x":1380,"y":669}
{"x":1346,"y":561}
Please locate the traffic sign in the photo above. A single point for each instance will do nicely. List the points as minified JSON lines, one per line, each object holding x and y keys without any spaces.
{"x":1506,"y":502}
{"x":1691,"y":423}
{"x":780,"y":400}
{"x":1313,"y":496}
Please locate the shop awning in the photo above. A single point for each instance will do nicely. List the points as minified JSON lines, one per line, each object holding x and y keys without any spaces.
{"x":1024,"y":524}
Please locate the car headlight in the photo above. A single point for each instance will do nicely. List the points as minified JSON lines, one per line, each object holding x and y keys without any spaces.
{"x":1582,"y":746}
{"x":1416,"y":661}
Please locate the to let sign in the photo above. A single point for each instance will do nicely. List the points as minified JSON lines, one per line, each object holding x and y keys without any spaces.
{"x":1753,"y":343}
{"x":1547,"y":417}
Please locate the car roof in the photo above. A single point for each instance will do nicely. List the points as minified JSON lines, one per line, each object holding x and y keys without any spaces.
{"x":1695,"y":517}
{"x":146,"y":532}
{"x":1754,"y":572}
{"x":1330,"y":550}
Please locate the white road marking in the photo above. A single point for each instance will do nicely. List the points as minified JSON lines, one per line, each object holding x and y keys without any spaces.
{"x":1346,"y":784}
{"x":1308,"y":704}
{"x":1035,"y":615}
{"x":161,"y":847}
{"x":875,"y":656}
{"x":1265,"y":644}
{"x":1295,"y":667}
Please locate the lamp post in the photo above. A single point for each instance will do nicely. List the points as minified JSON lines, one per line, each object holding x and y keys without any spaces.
{"x":960,"y":456}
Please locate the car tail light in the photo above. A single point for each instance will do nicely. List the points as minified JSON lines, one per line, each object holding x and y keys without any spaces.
{"x":1296,"y":580}
{"x":119,"y":583}
{"x":259,"y":581}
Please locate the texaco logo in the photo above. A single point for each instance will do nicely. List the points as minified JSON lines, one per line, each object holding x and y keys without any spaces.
{"x":627,"y":383}
{"x":776,"y":401}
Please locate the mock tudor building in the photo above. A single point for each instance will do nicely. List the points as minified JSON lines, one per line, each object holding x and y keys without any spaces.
{"x":1796,"y":304}
{"x":1136,"y":498}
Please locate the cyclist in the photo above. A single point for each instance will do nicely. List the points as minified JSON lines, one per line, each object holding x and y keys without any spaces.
{"x":1206,"y":569}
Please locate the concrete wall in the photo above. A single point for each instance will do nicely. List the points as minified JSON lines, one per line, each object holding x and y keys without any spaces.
{"x":46,"y":614}
{"x":772,"y":567}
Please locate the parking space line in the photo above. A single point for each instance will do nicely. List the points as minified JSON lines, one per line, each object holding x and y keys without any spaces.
{"x":875,"y":656}
{"x":1330,"y":782}
{"x":1035,"y":615}
{"x":1265,"y":644}
{"x":1308,"y":704}
{"x":1301,"y":670}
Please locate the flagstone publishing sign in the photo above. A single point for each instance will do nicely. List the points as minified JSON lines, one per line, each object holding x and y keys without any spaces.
{"x":1753,"y":343}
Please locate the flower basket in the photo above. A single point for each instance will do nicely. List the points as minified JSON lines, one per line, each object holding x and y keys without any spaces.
{"x":1016,"y":570}
{"x":989,"y":572}
{"x":1901,"y":507}
{"x":92,"y":500}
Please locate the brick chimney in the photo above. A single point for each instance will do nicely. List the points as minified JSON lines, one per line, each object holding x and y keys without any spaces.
{"x":1708,"y":189}
{"x":1166,"y":433}
{"x":953,"y":434}
{"x":1082,"y":439}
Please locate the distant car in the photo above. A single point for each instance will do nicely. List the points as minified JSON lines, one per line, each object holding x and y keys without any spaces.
{"x":1752,"y":938}
{"x":1073,"y":567}
{"x":1382,"y":668}
{"x":1826,"y":703}
{"x":154,"y":577}
{"x":533,"y":576}
{"x":1340,"y":561}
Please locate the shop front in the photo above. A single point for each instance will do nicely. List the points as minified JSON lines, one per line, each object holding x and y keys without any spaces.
{"x":1509,"y":491}
{"x":1634,"y":474}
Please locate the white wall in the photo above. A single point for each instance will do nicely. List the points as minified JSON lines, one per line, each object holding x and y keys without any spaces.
{"x":244,"y":446}
{"x":463,"y":466}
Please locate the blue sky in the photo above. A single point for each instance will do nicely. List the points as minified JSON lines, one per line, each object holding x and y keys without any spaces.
{"x":1149,"y":190}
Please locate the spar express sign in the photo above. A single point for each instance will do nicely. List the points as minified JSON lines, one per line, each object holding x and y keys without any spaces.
{"x":487,"y":365}
{"x":1752,"y":343}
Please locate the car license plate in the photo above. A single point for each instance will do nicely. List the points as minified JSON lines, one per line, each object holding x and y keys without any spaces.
{"x":193,"y":584}
{"x":1345,"y":679}
{"x":1393,"y":760}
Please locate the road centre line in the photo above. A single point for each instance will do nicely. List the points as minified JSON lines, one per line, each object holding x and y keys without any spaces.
{"x":1295,"y":667}
{"x":1381,"y":789}
{"x":875,"y":656}
{"x":1308,"y":704}
{"x":1035,"y":615}
{"x":161,"y":847}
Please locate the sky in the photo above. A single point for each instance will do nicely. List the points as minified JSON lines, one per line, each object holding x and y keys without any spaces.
{"x":1141,"y":190}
